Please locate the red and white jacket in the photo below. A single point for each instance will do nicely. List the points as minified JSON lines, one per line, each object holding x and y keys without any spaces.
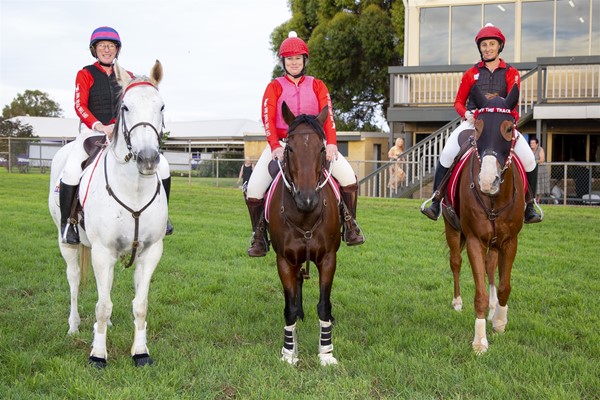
{"x":299,"y":97}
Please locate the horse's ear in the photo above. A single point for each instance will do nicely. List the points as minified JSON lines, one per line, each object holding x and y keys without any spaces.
{"x":478,"y":96}
{"x":123,"y":77}
{"x":512,"y":99}
{"x":156,"y":74}
{"x":322,"y":117}
{"x":288,"y":115}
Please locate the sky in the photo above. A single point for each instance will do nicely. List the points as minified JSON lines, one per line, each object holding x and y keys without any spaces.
{"x":215,"y":53}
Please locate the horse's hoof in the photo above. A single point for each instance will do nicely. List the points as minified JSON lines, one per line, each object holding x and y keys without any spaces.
{"x":480,"y":348}
{"x":327,"y":359}
{"x":457,"y":303}
{"x":97,"y":362}
{"x":290,"y":359}
{"x":140,"y":360}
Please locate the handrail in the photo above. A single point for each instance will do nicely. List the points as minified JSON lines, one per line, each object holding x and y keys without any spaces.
{"x":550,"y":79}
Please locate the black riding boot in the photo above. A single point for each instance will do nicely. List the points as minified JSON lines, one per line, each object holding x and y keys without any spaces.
{"x":68,"y":228}
{"x":433,"y":211}
{"x":259,"y":245}
{"x":352,"y":233}
{"x":531,"y":216}
{"x":167,"y":185}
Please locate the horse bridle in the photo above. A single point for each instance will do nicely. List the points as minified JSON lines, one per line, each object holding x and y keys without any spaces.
{"x":324,"y":176}
{"x":127,"y":131}
{"x":491,"y":212}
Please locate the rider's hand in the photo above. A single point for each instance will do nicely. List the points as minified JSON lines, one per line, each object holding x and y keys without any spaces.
{"x":106,"y":129}
{"x":277,"y":154}
{"x":331,"y":152}
{"x":469,"y":116}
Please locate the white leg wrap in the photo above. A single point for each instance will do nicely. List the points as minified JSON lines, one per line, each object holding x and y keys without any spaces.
{"x":289,"y":351}
{"x":139,"y":341}
{"x":326,"y":344}
{"x":500,"y":319}
{"x":480,"y":343}
{"x":457,"y":303}
{"x":99,"y":344}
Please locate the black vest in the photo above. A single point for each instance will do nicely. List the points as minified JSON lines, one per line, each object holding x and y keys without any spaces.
{"x":104,"y":95}
{"x":490,"y":82}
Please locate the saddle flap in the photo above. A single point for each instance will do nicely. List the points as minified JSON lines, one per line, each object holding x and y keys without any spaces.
{"x":92,"y":146}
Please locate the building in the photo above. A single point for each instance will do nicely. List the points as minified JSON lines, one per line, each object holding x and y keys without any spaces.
{"x":558,"y":38}
{"x":555,"y":44}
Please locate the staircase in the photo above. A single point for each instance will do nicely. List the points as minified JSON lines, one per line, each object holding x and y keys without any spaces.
{"x":419,"y":161}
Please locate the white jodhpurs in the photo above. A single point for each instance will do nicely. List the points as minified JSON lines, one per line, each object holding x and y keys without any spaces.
{"x":451,"y":148}
{"x":260,"y":180}
{"x":72,"y":170}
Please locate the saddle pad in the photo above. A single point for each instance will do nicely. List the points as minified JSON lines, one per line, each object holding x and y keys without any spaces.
{"x":332,"y":182}
{"x":452,"y":183}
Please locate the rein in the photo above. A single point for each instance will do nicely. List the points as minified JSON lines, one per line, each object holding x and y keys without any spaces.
{"x":127,"y":131}
{"x":307,"y":235}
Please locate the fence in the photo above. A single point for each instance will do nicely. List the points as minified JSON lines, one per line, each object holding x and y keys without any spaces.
{"x":569,"y":182}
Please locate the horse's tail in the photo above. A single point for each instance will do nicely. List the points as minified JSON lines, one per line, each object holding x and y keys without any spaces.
{"x":85,"y":263}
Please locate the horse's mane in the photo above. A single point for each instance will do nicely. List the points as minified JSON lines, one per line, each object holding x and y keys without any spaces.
{"x":311,"y":120}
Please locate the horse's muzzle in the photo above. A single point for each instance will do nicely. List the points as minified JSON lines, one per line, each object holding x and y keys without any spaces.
{"x":306,"y":201}
{"x":147,"y":161}
{"x":489,"y":176}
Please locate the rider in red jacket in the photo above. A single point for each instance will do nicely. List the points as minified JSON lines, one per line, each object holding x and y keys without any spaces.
{"x":495,"y":78}
{"x":303,"y":94}
{"x":96,"y":98}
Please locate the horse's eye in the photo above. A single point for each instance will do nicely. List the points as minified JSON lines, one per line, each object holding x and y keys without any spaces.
{"x":162,"y":108}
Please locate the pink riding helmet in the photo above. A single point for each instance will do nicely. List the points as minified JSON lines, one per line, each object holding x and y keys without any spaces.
{"x":104,"y":33}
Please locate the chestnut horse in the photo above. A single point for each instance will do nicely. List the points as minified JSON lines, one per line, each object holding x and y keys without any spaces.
{"x":305,"y":226}
{"x":490,"y":203}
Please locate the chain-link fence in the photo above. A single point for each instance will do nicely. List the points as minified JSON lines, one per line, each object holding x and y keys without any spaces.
{"x":567,"y":183}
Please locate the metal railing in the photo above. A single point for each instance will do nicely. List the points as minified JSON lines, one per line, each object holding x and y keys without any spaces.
{"x":549,"y":80}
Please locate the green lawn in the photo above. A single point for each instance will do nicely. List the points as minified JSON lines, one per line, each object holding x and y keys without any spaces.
{"x":215,"y":319}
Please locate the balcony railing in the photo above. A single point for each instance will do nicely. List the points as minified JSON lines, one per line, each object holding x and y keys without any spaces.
{"x":550,"y":80}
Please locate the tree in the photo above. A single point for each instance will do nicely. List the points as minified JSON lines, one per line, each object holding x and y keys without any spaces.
{"x":34,"y":103}
{"x":351,"y":44}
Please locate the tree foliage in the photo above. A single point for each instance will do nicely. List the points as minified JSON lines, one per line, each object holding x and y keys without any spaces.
{"x":15,"y":129}
{"x":351,"y":44}
{"x":34,"y":103}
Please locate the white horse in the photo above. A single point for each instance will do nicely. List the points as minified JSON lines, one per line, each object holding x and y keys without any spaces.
{"x":125,"y":210}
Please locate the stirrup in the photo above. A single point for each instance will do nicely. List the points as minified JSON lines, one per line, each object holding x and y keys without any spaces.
{"x":435,"y":193}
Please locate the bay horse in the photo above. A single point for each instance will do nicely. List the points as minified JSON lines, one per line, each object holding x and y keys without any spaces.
{"x":305,"y":226}
{"x":125,"y":210}
{"x":490,"y":203}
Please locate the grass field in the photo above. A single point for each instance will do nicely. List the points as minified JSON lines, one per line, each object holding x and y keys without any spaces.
{"x":215,"y":319}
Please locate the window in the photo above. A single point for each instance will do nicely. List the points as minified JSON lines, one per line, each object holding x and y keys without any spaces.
{"x":465,"y":26}
{"x":503,"y":16}
{"x":537,"y":30}
{"x":572,"y":27}
{"x":433,"y":36}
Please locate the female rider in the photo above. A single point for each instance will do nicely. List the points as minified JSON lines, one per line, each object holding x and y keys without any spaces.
{"x":304,"y":94}
{"x":96,"y":98}
{"x":495,"y":78}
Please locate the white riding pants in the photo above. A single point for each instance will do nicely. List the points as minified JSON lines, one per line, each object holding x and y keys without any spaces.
{"x":451,"y":148}
{"x":260,"y":180}
{"x":72,"y":170}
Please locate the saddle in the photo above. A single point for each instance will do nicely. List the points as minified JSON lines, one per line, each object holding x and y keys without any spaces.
{"x":450,"y":181}
{"x":92,"y":146}
{"x":276,"y":175}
